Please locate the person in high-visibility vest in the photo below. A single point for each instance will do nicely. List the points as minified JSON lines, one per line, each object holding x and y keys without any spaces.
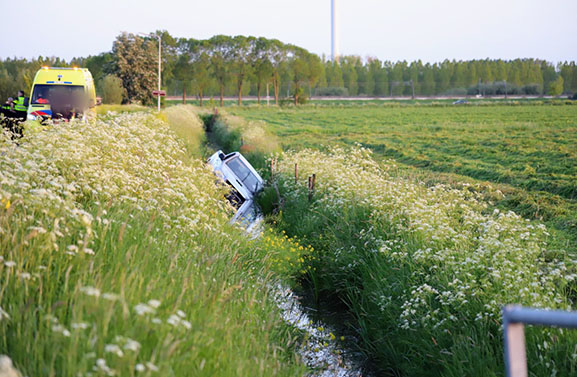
{"x":8,"y":108}
{"x":10,"y":120}
{"x":21,"y":105}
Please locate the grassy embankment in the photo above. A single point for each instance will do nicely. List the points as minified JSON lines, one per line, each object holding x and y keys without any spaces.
{"x":424,"y":269}
{"x":117,"y":257}
{"x":527,"y":153}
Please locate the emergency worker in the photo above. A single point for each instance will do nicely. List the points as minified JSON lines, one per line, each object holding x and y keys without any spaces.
{"x":10,"y":120}
{"x":8,"y":108}
{"x":41,"y":99}
{"x":21,"y":105}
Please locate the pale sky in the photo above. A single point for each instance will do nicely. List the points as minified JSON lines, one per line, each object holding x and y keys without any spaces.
{"x":389,"y":30}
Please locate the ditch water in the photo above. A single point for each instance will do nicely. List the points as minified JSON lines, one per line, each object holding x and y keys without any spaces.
{"x":324,"y":349}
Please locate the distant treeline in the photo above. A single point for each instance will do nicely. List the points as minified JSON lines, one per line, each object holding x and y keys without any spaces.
{"x":239,"y":66}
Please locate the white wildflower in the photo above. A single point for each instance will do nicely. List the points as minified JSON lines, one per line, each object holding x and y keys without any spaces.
{"x":110,"y":296}
{"x":176,"y":321}
{"x":25,"y":275}
{"x":90,"y":291}
{"x":79,"y":325}
{"x":88,"y":251}
{"x":139,"y":368}
{"x":7,"y":367}
{"x":113,"y":348}
{"x":61,"y":329}
{"x":154,"y":303}
{"x":131,"y":345}
{"x":142,"y":309}
{"x":102,"y":367}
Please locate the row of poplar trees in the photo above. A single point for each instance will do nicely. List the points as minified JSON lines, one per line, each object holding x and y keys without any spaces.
{"x":224,"y":66}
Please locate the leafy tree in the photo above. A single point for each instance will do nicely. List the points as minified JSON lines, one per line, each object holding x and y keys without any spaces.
{"x":170,"y":54}
{"x":99,"y":66}
{"x":569,"y":73}
{"x":182,"y":71}
{"x":350,"y":77}
{"x":299,"y":71}
{"x":458,"y":77}
{"x":111,"y":89}
{"x":443,"y":73}
{"x":428,"y":82}
{"x":135,"y":63}
{"x":220,"y":56}
{"x":362,"y":75}
{"x":314,"y":70}
{"x":396,"y":79}
{"x":8,"y":85}
{"x":262,"y":65}
{"x":334,"y":74}
{"x":241,"y":55}
{"x":201,"y":68}
{"x":415,"y":72}
{"x":500,"y":70}
{"x":548,"y":73}
{"x":379,"y":75}
{"x":278,"y":56}
{"x":556,"y":87}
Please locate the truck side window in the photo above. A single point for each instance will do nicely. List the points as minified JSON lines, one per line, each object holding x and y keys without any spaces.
{"x":243,"y":173}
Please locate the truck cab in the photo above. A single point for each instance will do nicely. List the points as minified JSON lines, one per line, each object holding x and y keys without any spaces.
{"x":234,"y":170}
{"x":62,"y":93}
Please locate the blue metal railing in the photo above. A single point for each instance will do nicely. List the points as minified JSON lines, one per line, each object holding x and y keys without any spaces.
{"x":514,"y":319}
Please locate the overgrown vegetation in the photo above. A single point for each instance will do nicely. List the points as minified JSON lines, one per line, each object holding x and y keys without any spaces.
{"x":117,"y":258}
{"x":188,"y":126}
{"x":112,"y":90}
{"x":424,"y":270}
{"x":250,"y":138}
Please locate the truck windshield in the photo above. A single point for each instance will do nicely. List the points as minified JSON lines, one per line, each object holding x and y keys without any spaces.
{"x":62,"y":95}
{"x":244,"y":174}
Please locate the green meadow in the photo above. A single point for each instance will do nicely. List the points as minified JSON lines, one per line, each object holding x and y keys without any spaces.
{"x":527,"y":152}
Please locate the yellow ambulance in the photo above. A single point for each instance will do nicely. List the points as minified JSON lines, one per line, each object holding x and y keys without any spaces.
{"x":62,"y":93}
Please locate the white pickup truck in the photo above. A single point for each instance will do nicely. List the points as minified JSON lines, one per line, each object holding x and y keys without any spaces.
{"x":245,"y":182}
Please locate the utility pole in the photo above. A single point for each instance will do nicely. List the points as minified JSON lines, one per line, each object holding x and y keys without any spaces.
{"x":159,"y":69}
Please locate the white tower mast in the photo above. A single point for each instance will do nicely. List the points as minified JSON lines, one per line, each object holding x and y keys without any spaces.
{"x":334,"y":32}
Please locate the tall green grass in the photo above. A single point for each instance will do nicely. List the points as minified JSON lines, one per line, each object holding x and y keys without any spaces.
{"x":424,"y":271}
{"x":116,"y":258}
{"x":233,"y":133}
{"x":188,"y":126}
